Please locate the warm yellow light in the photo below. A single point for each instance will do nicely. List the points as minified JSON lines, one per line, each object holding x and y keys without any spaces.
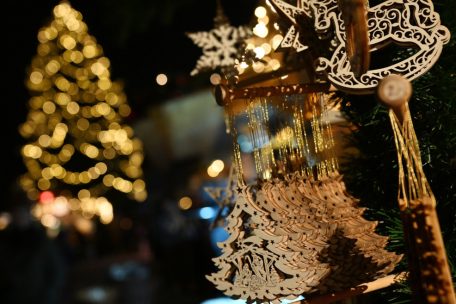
{"x":136,"y":159}
{"x":68,"y":42}
{"x":266,"y":47}
{"x":89,"y":51}
{"x":32,"y":151}
{"x":66,"y":152}
{"x":5,"y":220}
{"x":275,"y":64}
{"x":215,"y":168}
{"x":264,"y":20}
{"x":60,"y":132}
{"x":124,"y":110}
{"x":46,"y":173}
{"x":108,"y":180}
{"x":84,"y":177}
{"x":62,"y":10}
{"x":52,"y":67}
{"x":62,"y":99}
{"x":104,"y":84}
{"x":50,"y":221}
{"x":260,"y":30}
{"x":260,"y":12}
{"x":51,"y":33}
{"x":215,"y":79}
{"x":109,"y":153}
{"x":243,"y":65}
{"x":83,"y":124}
{"x":139,"y":185}
{"x":218,"y":165}
{"x":276,"y":40}
{"x":60,"y":207}
{"x":98,"y":68}
{"x":258,"y":67}
{"x":91,"y":151}
{"x":43,"y":49}
{"x":140,"y":196}
{"x":112,"y":99}
{"x":104,"y":61}
{"x":36,"y":77}
{"x":259,"y":52}
{"x":103,"y":108}
{"x":132,"y":171}
{"x":93,"y":173}
{"x":73,"y":108}
{"x":161,"y":79}
{"x":77,"y":57}
{"x":211,"y":172}
{"x":49,"y":107}
{"x":84,"y":193}
{"x":105,"y":211}
{"x":43,"y":184}
{"x":185,"y":203}
{"x":101,"y":168}
{"x":84,"y":225}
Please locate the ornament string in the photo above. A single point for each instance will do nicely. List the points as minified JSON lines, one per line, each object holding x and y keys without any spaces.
{"x":413,"y":184}
{"x":429,"y":269}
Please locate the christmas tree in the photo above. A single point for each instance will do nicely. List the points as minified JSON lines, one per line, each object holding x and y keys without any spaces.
{"x":78,"y":148}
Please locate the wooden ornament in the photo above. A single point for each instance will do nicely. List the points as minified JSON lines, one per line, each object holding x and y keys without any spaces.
{"x":394,"y":91}
{"x":354,"y":13}
{"x":412,"y":23}
{"x":224,"y":94}
{"x":221,"y":45}
{"x":297,"y":236}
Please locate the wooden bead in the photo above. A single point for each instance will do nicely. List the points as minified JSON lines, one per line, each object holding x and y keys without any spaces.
{"x":394,"y":91}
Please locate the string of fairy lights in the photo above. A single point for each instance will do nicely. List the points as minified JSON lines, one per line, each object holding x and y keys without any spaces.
{"x":75,"y":120}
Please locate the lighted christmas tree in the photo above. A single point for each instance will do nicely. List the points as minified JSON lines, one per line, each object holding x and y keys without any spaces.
{"x":78,"y":148}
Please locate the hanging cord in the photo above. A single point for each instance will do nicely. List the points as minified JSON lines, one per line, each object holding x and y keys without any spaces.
{"x":429,"y":270}
{"x":413,"y":184}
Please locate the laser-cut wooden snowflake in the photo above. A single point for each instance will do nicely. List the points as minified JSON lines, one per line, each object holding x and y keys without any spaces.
{"x":220,"y":45}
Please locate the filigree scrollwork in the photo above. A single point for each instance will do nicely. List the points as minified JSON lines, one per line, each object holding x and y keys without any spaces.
{"x":412,"y":23}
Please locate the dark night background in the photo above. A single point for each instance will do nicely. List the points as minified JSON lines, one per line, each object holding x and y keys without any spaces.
{"x":142,"y":39}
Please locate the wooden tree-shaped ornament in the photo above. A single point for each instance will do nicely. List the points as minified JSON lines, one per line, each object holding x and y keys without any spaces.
{"x":78,"y":146}
{"x":297,"y":218}
{"x":256,"y":264}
